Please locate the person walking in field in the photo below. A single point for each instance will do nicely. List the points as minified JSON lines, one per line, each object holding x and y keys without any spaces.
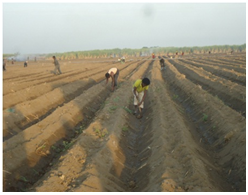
{"x":113,"y":73}
{"x":140,"y":88}
{"x":57,"y":66}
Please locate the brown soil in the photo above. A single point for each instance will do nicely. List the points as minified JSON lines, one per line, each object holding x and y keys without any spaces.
{"x":70,"y":133}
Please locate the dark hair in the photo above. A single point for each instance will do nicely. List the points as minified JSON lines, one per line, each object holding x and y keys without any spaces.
{"x":54,"y":57}
{"x":146,"y":81}
{"x":107,"y":75}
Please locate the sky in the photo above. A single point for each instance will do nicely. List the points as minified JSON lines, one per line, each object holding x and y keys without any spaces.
{"x":41,"y":28}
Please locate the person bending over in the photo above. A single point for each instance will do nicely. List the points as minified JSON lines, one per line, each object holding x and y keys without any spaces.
{"x":140,"y":88}
{"x":113,"y":73}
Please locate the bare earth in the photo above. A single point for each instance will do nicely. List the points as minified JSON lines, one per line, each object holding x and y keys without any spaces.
{"x":70,"y":133}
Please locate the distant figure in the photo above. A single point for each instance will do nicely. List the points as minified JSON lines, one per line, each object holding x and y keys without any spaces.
{"x":25,"y":63}
{"x":12,"y":61}
{"x":113,"y":73}
{"x":122,"y":59}
{"x":4,"y":65}
{"x":57,"y":66}
{"x":162,"y":63}
{"x":209,"y":52}
{"x":232,"y":52}
{"x":182,"y":53}
{"x":176,"y":53}
{"x":153,"y":56}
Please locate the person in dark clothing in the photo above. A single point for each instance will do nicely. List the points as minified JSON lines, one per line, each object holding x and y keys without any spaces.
{"x":25,"y":63}
{"x":162,"y":63}
{"x":4,"y":65}
{"x":57,"y":66}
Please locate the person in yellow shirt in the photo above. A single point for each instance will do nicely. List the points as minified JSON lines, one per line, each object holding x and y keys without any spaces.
{"x":140,"y":88}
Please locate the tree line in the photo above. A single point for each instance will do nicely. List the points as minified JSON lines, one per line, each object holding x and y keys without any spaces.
{"x":145,"y":51}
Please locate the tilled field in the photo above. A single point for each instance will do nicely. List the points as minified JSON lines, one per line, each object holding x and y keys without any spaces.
{"x":70,"y":133}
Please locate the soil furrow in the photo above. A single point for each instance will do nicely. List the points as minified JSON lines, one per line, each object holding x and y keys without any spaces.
{"x":75,"y":135}
{"x":231,"y":94}
{"x":79,"y":178}
{"x":30,"y":93}
{"x":219,"y":127}
{"x":21,"y":77}
{"x":174,"y":134}
{"x":227,"y":74}
{"x":12,"y":87}
{"x":21,"y":117}
{"x":228,"y":64}
{"x":51,"y":131}
{"x":221,"y":64}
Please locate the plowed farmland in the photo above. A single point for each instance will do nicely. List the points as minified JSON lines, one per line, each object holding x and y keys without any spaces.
{"x":71,"y":133}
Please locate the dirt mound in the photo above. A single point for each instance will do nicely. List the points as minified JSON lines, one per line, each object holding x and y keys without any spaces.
{"x":70,"y":133}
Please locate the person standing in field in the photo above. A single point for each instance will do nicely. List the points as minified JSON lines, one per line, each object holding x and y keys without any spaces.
{"x":140,"y":88}
{"x":4,"y":65}
{"x":57,"y":66}
{"x":113,"y":73}
{"x":25,"y":63}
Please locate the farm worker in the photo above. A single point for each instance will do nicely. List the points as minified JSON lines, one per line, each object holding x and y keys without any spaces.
{"x":25,"y":63}
{"x":140,"y":88}
{"x":4,"y":65}
{"x":122,"y":59}
{"x":113,"y":73}
{"x":57,"y":66}
{"x":162,"y":63}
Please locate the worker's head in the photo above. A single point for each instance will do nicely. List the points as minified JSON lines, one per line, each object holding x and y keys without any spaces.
{"x":107,"y":75}
{"x":54,"y":57}
{"x":145,"y":82}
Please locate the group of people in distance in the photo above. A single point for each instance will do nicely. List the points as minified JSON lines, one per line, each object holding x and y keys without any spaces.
{"x":140,"y":88}
{"x":5,"y":63}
